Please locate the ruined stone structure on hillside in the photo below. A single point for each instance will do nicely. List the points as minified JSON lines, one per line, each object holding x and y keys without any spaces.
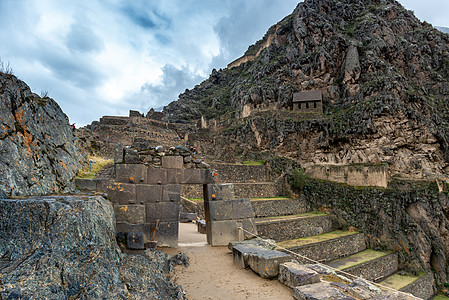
{"x":101,"y":137}
{"x":308,"y":101}
{"x":145,"y":191}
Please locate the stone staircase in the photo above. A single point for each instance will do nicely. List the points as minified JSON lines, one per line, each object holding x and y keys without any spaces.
{"x":314,"y":234}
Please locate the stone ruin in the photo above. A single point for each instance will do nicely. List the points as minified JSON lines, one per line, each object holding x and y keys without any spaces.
{"x":145,"y":193}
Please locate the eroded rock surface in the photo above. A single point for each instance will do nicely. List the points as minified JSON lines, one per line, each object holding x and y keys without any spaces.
{"x":65,"y":247}
{"x":38,"y":152}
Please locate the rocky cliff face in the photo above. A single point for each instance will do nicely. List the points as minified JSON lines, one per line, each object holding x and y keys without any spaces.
{"x":65,"y":248}
{"x":384,"y":77}
{"x":38,"y":154}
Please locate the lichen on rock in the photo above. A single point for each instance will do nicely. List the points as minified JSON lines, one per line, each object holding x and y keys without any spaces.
{"x":64,"y":248}
{"x":38,"y":152}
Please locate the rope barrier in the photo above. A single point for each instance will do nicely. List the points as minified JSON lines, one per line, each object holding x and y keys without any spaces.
{"x":329,"y":267}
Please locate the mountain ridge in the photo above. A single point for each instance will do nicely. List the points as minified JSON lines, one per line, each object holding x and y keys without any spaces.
{"x":383,"y":75}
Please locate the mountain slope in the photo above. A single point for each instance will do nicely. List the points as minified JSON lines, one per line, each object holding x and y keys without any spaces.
{"x":383,"y":74}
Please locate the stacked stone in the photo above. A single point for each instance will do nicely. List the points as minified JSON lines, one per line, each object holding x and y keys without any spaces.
{"x":308,"y":281}
{"x":224,"y":215}
{"x":141,"y":151}
{"x":143,"y":194}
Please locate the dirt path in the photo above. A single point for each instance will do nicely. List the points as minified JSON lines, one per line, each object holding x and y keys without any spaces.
{"x":213,"y":275}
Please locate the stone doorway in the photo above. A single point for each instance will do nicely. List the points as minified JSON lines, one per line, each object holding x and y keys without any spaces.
{"x":142,"y":194}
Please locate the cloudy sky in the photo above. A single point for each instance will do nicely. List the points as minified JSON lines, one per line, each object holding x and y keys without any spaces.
{"x":104,"y":57}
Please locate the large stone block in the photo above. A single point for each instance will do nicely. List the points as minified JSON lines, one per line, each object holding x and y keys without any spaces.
{"x":171,"y":193}
{"x":242,"y":252}
{"x":219,"y":211}
{"x":122,"y":193}
{"x":219,"y":192}
{"x":220,"y":233}
{"x":294,"y":274}
{"x":125,"y":227}
{"x":174,"y":176}
{"x":196,"y":176}
{"x":134,"y":214}
{"x":266,"y":263}
{"x":148,"y":193}
{"x":135,"y":241}
{"x":211,"y":177}
{"x":164,"y":211}
{"x":242,"y":209}
{"x":321,"y":290}
{"x":249,"y":226}
{"x":166,"y":234}
{"x":156,"y":176}
{"x":172,"y":162}
{"x":119,"y":154}
{"x":86,"y":184}
{"x":130,"y":173}
{"x":103,"y":184}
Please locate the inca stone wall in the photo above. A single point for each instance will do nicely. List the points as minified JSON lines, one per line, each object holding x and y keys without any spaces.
{"x":224,"y":215}
{"x":143,"y":195}
{"x":356,"y":175}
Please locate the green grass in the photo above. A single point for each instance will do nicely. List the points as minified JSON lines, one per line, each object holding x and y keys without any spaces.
{"x":315,"y":239}
{"x":398,"y":281}
{"x":359,"y":258}
{"x":440,"y":297}
{"x":306,"y":215}
{"x":100,"y":163}
{"x":254,"y":163}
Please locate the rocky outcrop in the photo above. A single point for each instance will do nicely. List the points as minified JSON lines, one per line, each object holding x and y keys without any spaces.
{"x":383,"y":74}
{"x":38,"y":152}
{"x":65,"y":248}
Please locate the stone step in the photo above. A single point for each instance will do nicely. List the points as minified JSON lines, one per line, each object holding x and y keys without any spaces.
{"x":369,"y":264}
{"x":278,"y":206}
{"x":241,"y":190}
{"x":326,"y":246}
{"x":419,"y":286}
{"x":284,"y":228}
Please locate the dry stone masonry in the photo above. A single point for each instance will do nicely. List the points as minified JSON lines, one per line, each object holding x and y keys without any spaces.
{"x":146,"y":196}
{"x":146,"y":199}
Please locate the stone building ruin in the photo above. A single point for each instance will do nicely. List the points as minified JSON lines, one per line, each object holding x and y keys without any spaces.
{"x":309,"y":101}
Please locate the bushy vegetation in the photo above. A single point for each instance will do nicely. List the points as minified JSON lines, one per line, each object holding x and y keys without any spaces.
{"x":5,"y":67}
